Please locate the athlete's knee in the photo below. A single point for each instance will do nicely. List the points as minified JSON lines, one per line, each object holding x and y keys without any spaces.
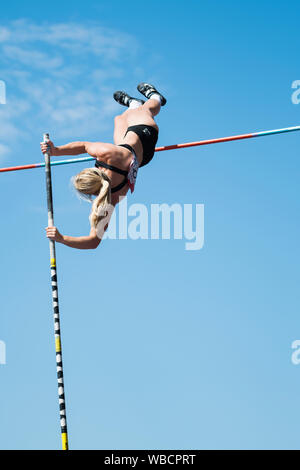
{"x":152,"y":106}
{"x":118,"y":118}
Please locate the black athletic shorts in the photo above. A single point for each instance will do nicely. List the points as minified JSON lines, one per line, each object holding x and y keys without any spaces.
{"x":148,"y":136}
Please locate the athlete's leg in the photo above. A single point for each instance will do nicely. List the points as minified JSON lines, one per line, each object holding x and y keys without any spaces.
{"x":139,"y":111}
{"x":152,"y":106}
{"x":128,"y":118}
{"x":143,"y":114}
{"x":120,"y":128}
{"x":132,"y":117}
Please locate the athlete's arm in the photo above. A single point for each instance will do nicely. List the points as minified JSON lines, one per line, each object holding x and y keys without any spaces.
{"x":73,"y":148}
{"x":95,"y":149}
{"x":88,"y":242}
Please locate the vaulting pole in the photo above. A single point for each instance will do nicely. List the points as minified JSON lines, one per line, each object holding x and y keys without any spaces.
{"x":161,"y":149}
{"x":59,"y":362}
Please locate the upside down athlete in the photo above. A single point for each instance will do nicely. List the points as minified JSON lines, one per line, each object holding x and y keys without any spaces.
{"x":116,"y":167}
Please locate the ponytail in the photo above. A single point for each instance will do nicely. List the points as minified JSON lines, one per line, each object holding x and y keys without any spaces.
{"x":94,"y":182}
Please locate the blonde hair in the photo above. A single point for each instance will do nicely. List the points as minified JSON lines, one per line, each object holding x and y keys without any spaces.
{"x":94,"y":182}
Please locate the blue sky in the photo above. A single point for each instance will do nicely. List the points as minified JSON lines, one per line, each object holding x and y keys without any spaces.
{"x":163,"y":348}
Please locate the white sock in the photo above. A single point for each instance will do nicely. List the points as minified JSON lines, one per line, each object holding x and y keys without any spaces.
{"x":134,"y":104}
{"x":156,"y":97}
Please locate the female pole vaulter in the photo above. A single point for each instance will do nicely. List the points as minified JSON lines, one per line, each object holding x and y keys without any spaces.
{"x":116,"y":167}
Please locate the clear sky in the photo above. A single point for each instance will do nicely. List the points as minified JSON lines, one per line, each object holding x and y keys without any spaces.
{"x":164,"y":348}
